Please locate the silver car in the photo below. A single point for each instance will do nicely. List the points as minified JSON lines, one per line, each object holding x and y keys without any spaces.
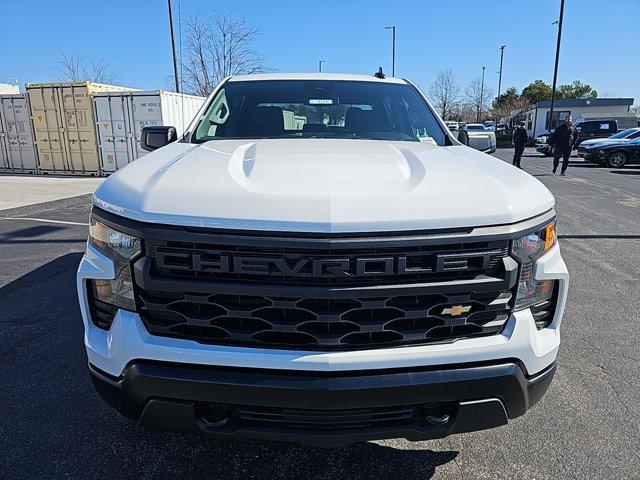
{"x":475,"y":135}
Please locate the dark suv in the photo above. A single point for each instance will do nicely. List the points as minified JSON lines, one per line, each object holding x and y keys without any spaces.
{"x":587,"y":130}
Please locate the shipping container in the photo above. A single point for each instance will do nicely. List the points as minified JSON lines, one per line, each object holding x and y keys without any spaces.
{"x":65,"y":127}
{"x":7,"y":88}
{"x":120,"y":117}
{"x":17,"y":152}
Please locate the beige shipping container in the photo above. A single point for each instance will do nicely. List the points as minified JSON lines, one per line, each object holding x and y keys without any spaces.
{"x":64,"y":126}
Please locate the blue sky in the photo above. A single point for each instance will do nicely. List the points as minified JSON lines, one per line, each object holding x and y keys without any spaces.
{"x":599,"y":38}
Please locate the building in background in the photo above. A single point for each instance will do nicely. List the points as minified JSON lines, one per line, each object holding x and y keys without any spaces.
{"x":536,"y":117}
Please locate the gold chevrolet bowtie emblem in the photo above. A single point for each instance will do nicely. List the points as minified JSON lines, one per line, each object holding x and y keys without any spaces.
{"x":456,"y":310}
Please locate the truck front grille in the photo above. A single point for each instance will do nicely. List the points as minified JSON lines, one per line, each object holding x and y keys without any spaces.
{"x":322,"y":293}
{"x":321,"y":323}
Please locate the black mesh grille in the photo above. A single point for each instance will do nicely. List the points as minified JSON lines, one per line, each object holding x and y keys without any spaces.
{"x":195,"y":290}
{"x":324,"y":323}
{"x":327,"y":420}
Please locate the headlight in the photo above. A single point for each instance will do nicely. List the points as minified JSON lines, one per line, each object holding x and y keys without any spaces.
{"x":122,"y":248}
{"x":527,"y":250}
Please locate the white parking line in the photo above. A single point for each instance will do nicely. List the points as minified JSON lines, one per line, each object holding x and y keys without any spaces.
{"x":44,"y":220}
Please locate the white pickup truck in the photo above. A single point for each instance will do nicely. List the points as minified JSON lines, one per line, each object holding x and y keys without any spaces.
{"x":476,"y":135}
{"x":318,"y":260}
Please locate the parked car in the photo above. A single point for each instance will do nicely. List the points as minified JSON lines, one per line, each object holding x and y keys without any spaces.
{"x":490,"y":125}
{"x":612,"y":153}
{"x":628,"y":134}
{"x":475,"y":135}
{"x":363,"y":279}
{"x":589,"y":130}
{"x":451,"y":125}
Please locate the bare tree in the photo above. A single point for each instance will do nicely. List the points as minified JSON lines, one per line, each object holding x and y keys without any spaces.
{"x":72,"y":68}
{"x":215,"y":48}
{"x":478,"y":97}
{"x":509,"y":109}
{"x":463,"y":112}
{"x":445,"y":93}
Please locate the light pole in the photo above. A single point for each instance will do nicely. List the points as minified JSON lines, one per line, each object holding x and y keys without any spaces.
{"x":481,"y":95}
{"x":393,"y":48}
{"x":320,"y":62}
{"x":500,"y":74}
{"x":555,"y":68}
{"x":173,"y":47}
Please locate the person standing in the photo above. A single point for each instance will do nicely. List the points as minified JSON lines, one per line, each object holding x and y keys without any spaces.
{"x":520,"y":139}
{"x":563,"y":137}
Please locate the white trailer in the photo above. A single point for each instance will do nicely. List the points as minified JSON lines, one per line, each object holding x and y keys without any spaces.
{"x":17,"y":151}
{"x":120,"y":117}
{"x":7,"y":88}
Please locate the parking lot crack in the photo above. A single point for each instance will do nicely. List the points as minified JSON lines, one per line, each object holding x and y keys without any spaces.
{"x":608,"y":378}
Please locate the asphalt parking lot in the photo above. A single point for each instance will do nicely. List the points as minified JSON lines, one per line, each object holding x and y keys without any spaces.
{"x":53,"y":425}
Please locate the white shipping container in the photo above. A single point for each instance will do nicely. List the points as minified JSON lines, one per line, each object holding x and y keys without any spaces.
{"x":120,"y":117}
{"x":7,"y":88}
{"x":17,"y":152}
{"x":65,"y":126}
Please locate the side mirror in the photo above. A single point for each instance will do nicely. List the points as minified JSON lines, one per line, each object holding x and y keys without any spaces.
{"x":157,"y":136}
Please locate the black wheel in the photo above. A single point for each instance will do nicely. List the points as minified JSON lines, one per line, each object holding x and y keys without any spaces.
{"x":617,"y":159}
{"x":551,"y":151}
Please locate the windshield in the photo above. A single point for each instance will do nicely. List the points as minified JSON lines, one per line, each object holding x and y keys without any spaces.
{"x":623,"y":133}
{"x":475,"y":127}
{"x":319,"y":109}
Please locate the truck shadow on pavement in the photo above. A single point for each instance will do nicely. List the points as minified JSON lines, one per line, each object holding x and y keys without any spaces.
{"x":55,"y":426}
{"x":37,"y":234}
{"x":626,"y":172}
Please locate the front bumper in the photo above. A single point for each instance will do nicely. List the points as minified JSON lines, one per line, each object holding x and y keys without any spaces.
{"x":591,"y":156}
{"x":319,"y":409}
{"x":542,"y":148}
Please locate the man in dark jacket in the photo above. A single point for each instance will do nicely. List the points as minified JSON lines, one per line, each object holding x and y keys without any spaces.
{"x":520,"y":138}
{"x":563,"y":137}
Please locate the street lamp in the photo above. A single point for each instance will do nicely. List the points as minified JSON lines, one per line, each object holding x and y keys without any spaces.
{"x":320,"y":62}
{"x":555,"y":68}
{"x":500,"y":74}
{"x":393,"y":48}
{"x":173,"y":46}
{"x":481,"y":95}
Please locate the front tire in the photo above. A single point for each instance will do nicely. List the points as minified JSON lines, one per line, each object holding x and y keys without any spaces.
{"x":617,"y":159}
{"x":550,"y":151}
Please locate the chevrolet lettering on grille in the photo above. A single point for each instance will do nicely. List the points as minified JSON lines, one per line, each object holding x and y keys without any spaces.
{"x":306,"y":266}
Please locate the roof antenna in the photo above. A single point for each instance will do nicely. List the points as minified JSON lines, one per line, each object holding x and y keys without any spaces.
{"x":379,"y":73}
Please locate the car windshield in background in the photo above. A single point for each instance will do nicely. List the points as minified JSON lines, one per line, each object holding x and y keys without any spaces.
{"x":475,"y":127}
{"x":319,"y":109}
{"x":623,"y":133}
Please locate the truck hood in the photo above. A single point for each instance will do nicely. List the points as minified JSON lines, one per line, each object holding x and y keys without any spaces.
{"x":322,"y":185}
